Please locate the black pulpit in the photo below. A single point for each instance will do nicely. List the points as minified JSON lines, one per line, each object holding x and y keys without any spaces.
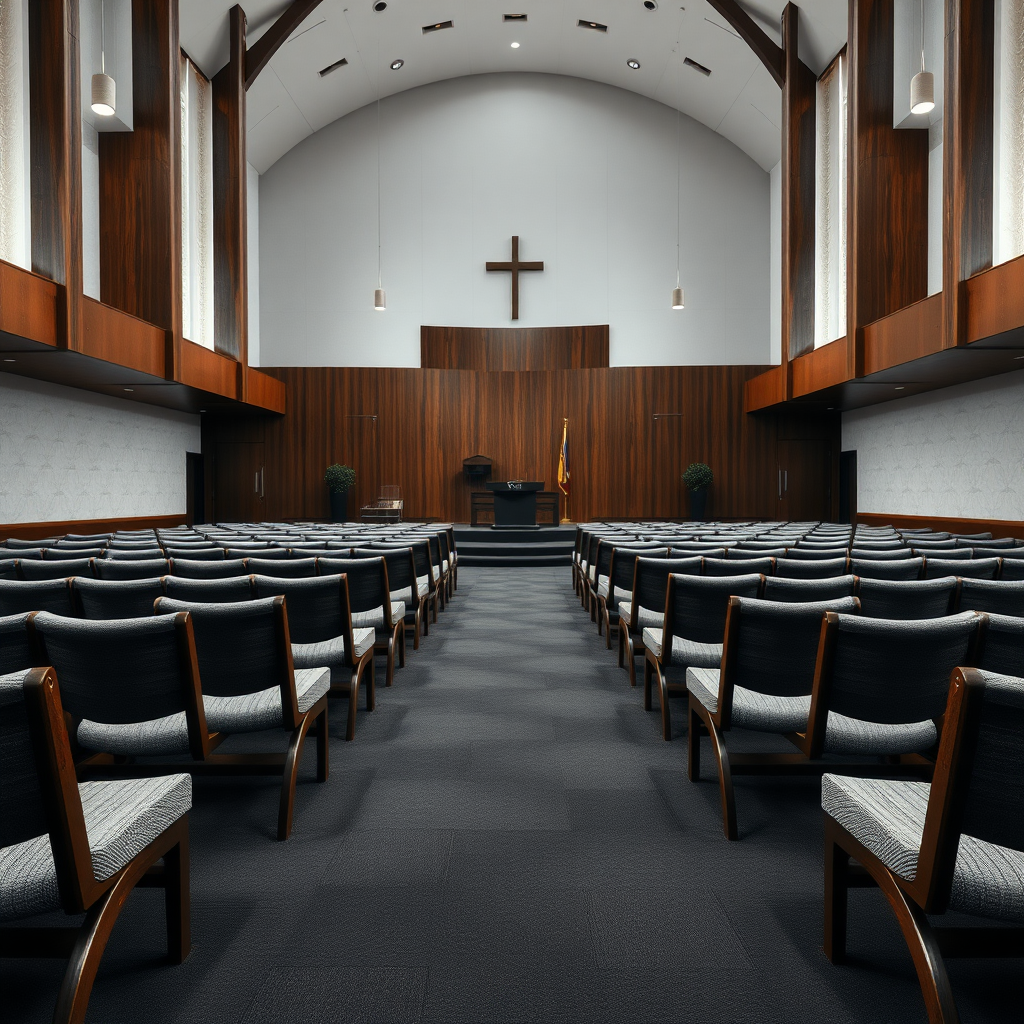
{"x":515,"y":504}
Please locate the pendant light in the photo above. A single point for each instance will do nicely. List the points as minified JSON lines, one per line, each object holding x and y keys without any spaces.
{"x":677,"y":292}
{"x":104,"y":88}
{"x":922,"y":85}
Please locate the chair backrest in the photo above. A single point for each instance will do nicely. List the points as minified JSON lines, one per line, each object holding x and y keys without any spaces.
{"x":15,"y":645}
{"x":747,"y":551}
{"x":887,"y":569}
{"x":197,"y":553}
{"x":115,"y":599}
{"x":318,"y":608}
{"x":880,"y":554}
{"x":907,"y":599}
{"x":738,"y":567}
{"x":977,"y":568}
{"x":28,"y":545}
{"x":133,"y":553}
{"x":401,"y":574}
{"x":1013,"y":569}
{"x":209,"y":591}
{"x":650,"y":582}
{"x":29,"y":554}
{"x":892,"y":671}
{"x":810,"y":568}
{"x":265,"y":553}
{"x":1002,"y":646}
{"x":696,"y":606}
{"x":367,"y":582}
{"x":779,"y":588}
{"x":72,"y":554}
{"x":622,"y":567}
{"x":18,"y":596}
{"x":214,"y":570}
{"x":110,"y":569}
{"x":991,"y":549}
{"x":242,"y":647}
{"x":693,"y":551}
{"x":829,"y":554}
{"x":1004,"y":597}
{"x":291,"y":568}
{"x":60,"y":570}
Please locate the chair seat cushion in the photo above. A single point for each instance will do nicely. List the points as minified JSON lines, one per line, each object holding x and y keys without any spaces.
{"x":252,"y":712}
{"x":150,"y":739}
{"x":646,"y":619}
{"x":621,"y":595}
{"x":685,"y":653}
{"x":121,"y":818}
{"x":853,"y":736}
{"x":763,"y":712}
{"x":374,"y":618}
{"x":331,"y":653}
{"x":888,"y":817}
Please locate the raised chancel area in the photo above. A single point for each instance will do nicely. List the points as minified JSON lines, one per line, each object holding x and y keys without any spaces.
{"x":511,"y":513}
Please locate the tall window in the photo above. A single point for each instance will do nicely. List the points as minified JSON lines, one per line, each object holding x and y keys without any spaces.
{"x":830,"y":205}
{"x":15,"y":222}
{"x":196,"y":205}
{"x":1009,"y":131}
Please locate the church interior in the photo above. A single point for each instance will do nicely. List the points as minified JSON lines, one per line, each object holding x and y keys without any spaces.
{"x":511,"y":511}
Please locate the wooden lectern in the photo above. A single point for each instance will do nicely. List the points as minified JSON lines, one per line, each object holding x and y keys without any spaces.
{"x":515,"y":504}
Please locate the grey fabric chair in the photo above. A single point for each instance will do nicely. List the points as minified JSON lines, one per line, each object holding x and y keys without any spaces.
{"x":908,"y":599}
{"x":810,"y":568}
{"x":405,"y":587}
{"x":197,"y":553}
{"x":692,"y":634}
{"x":955,"y":845}
{"x":72,"y":553}
{"x":320,"y":621}
{"x":1005,"y":549}
{"x":425,"y":576}
{"x":883,"y":569}
{"x":216,"y":591}
{"x":287,"y":568}
{"x":115,"y":599}
{"x":1004,"y":597}
{"x":748,"y":553}
{"x":764,"y":684}
{"x":617,"y":587}
{"x":371,"y":606}
{"x":739,"y":566}
{"x":31,"y":571}
{"x":692,"y":551}
{"x":880,"y":554}
{"x":29,"y":554}
{"x":778,"y":588}
{"x":17,"y":596}
{"x":16,"y":653}
{"x":976,"y":568}
{"x":29,"y":545}
{"x":207,"y":570}
{"x":76,"y":847}
{"x":1013,"y":569}
{"x":816,"y":554}
{"x":1002,"y":647}
{"x":110,"y":569}
{"x":128,"y":554}
{"x":8,"y":569}
{"x":256,"y":551}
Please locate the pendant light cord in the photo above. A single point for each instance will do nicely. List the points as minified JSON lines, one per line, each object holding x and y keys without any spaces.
{"x":379,"y":266}
{"x":103,"y":42}
{"x":922,"y":35}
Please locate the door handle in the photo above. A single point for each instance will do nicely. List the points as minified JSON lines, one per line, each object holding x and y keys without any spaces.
{"x":263,"y":480}
{"x":780,"y":483}
{"x":785,"y":480}
{"x":256,"y":484}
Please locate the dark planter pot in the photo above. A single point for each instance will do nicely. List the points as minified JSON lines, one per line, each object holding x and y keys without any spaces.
{"x":339,"y":506}
{"x":698,"y":503}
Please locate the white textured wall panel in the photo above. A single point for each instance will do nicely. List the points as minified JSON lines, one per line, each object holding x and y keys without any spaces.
{"x":69,"y":454}
{"x":956,"y":452}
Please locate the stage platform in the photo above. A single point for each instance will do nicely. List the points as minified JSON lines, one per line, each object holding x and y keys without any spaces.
{"x":549,"y":545}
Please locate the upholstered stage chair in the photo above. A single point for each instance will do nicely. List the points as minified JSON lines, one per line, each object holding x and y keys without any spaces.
{"x":216,"y":591}
{"x":58,"y":570}
{"x":198,"y":553}
{"x":1005,"y":597}
{"x":116,"y":569}
{"x":617,"y":587}
{"x":954,"y":845}
{"x":405,"y":588}
{"x":1002,"y":648}
{"x":115,"y":599}
{"x":966,"y":568}
{"x":908,"y":599}
{"x":38,"y":596}
{"x":72,"y":553}
{"x":207,"y":570}
{"x":1013,"y":569}
{"x":887,"y":569}
{"x":780,"y":588}
{"x":288,"y":568}
{"x":881,"y":554}
{"x":16,"y":653}
{"x":739,"y":566}
{"x":810,"y":568}
{"x":79,"y":847}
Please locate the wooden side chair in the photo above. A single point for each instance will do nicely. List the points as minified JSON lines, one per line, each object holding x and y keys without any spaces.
{"x":1004,"y":597}
{"x":115,"y":599}
{"x":954,"y":845}
{"x":907,"y":599}
{"x":405,"y":588}
{"x":691,"y":635}
{"x":38,"y":596}
{"x":1002,"y":646}
{"x":16,"y":651}
{"x":130,"y":569}
{"x":80,"y":848}
{"x":781,"y":588}
{"x":617,"y":587}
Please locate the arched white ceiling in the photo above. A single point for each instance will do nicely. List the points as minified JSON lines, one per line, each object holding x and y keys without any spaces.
{"x":290,"y":100}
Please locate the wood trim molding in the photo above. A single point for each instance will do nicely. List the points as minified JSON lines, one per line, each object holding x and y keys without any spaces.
{"x":28,"y":305}
{"x":57,"y":528}
{"x":259,"y":55}
{"x":997,"y":527}
{"x":265,"y":391}
{"x":995,"y":300}
{"x":765,"y":390}
{"x":514,"y":348}
{"x":820,"y":368}
{"x":765,"y":49}
{"x":207,"y":370}
{"x":118,"y":337}
{"x":909,"y":333}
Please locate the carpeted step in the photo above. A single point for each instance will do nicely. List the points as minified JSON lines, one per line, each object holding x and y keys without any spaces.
{"x":525,"y":560}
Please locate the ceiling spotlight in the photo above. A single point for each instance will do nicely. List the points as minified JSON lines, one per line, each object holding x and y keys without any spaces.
{"x":1015,"y":359}
{"x":10,"y":360}
{"x":396,"y":64}
{"x":651,"y":5}
{"x":202,"y":410}
{"x":380,"y":5}
{"x":633,"y":63}
{"x":515,"y":46}
{"x":130,"y":390}
{"x":901,"y":387}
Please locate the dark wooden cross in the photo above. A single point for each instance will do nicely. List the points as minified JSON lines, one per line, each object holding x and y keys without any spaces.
{"x":516,"y":266}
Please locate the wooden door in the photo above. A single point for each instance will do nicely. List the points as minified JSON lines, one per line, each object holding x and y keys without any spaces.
{"x":804,"y":480}
{"x":360,"y":449}
{"x":667,"y":491}
{"x":239,"y":481}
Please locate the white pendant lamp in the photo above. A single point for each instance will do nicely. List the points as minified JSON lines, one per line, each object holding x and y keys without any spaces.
{"x":104,"y":88}
{"x":922,"y":85}
{"x":380,"y":299}
{"x":677,"y":298}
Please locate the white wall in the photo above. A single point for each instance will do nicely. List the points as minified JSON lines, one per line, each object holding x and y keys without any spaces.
{"x":956,"y":452}
{"x":70,"y":454}
{"x":584,"y":173}
{"x":252,"y":191}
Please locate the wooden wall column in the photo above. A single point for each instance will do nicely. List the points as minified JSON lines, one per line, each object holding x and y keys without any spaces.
{"x":140,"y":184}
{"x":56,"y":157}
{"x":230,"y":236}
{"x":967,"y":157}
{"x":887,"y":204}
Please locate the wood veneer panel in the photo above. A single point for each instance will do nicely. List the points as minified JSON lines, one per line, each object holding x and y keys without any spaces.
{"x":997,"y":527}
{"x":995,"y":300}
{"x":820,"y":368}
{"x":41,"y":531}
{"x":907,"y":334}
{"x":117,"y":337}
{"x":28,"y":305}
{"x":765,"y":390}
{"x":516,"y":348}
{"x":266,"y":392}
{"x":207,"y":370}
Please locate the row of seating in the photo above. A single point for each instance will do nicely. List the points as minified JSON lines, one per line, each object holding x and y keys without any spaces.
{"x":904,"y":702}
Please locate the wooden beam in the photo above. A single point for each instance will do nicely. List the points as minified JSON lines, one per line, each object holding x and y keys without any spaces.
{"x":230,"y":282}
{"x":766,"y":49}
{"x":56,"y":157}
{"x":967,"y":157}
{"x":259,"y":55}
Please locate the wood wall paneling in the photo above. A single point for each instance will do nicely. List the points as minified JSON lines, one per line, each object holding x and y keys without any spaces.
{"x":28,"y":305}
{"x":765,"y":390}
{"x":264,"y":391}
{"x":56,"y":157}
{"x":514,"y":348}
{"x":995,"y":301}
{"x":140,"y":185}
{"x":208,"y":370}
{"x":820,"y":368}
{"x":117,"y":337}
{"x":57,"y":528}
{"x":907,"y":334}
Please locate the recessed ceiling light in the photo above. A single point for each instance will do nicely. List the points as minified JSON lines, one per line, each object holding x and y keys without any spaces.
{"x":130,"y":390}
{"x":515,"y":46}
{"x":901,"y":387}
{"x":10,"y":360}
{"x":202,"y":410}
{"x":633,"y":63}
{"x":1018,"y":357}
{"x":396,"y":64}
{"x":437,"y":26}
{"x":595,"y":25}
{"x":651,"y":5}
{"x":513,"y":17}
{"x":333,"y":67}
{"x":690,"y":63}
{"x":380,"y":5}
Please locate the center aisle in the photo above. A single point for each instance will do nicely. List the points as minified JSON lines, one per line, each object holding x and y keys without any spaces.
{"x":507,"y":839}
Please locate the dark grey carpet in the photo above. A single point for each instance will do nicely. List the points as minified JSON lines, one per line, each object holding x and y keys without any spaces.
{"x":508,"y":839}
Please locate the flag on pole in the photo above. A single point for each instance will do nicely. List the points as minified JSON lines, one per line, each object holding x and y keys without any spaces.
{"x":563,"y":460}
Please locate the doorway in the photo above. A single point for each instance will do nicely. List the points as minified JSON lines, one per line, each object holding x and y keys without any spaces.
{"x":195,"y":489}
{"x":848,"y":487}
{"x":239,"y":483}
{"x":804,"y":480}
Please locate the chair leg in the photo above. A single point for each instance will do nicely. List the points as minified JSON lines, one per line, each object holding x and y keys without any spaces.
{"x":631,"y":655}
{"x":666,"y":711}
{"x":648,"y":669}
{"x":837,"y":870}
{"x":178,"y":898}
{"x":353,"y":702}
{"x":724,"y":781}
{"x":693,"y":742}
{"x":622,"y":646}
{"x":400,"y":634}
{"x":371,"y":689}
{"x":289,"y":778}
{"x":389,"y":675}
{"x":607,"y":631}
{"x":323,"y":747}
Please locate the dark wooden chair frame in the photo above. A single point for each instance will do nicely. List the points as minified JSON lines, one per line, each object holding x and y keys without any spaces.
{"x":164,"y":863}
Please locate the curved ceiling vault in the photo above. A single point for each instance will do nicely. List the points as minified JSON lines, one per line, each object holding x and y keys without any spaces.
{"x":291,"y":99}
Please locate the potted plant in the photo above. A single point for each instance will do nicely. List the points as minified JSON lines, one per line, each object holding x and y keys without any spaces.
{"x":698,"y":478}
{"x":339,"y":480}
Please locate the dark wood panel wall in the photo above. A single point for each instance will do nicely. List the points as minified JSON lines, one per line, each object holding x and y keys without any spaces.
{"x":514,"y":348}
{"x":632,"y":432}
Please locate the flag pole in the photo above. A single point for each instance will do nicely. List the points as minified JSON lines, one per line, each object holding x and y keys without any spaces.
{"x":563,"y":465}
